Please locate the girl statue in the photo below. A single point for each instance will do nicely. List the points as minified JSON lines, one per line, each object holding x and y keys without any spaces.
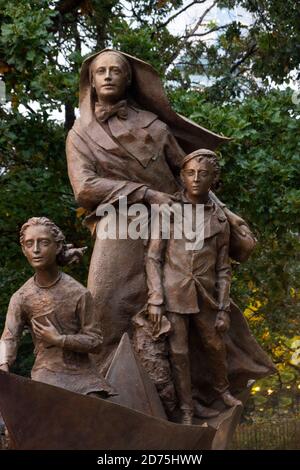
{"x":59,"y":313}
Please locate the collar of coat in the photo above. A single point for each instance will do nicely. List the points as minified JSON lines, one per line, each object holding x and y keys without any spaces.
{"x":215,"y":220}
{"x":130,"y":134}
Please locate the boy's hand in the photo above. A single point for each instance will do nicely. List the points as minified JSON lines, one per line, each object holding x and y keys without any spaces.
{"x":155,"y":313}
{"x":222,"y":323}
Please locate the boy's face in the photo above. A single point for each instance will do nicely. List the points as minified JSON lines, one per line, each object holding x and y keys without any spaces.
{"x":39,"y":247}
{"x":197,"y":177}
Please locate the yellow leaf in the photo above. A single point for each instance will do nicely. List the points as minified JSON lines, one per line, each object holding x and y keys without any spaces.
{"x":295,"y":358}
{"x":266,"y":335}
{"x":80,"y":212}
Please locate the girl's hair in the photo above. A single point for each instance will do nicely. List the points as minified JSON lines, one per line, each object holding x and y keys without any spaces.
{"x":67,"y":254}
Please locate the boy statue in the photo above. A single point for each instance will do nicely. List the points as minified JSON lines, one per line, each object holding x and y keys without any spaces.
{"x":192,"y":286}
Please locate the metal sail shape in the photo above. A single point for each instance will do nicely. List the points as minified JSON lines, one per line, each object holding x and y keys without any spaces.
{"x":41,"y":416}
{"x":132,"y":383}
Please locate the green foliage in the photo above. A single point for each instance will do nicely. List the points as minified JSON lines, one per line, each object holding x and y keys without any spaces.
{"x":25,"y":36}
{"x":246,"y":58}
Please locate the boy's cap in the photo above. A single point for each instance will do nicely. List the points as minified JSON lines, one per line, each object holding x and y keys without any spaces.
{"x":197,"y":153}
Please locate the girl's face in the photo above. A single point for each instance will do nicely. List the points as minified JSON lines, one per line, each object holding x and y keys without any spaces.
{"x":39,"y":247}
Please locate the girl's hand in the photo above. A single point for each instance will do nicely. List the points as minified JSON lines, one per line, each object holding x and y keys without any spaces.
{"x":47,"y":333}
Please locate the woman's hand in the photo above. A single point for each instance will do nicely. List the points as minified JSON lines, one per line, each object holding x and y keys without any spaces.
{"x":238,"y":223}
{"x":157,"y":197}
{"x":47,"y":333}
{"x":74,"y":255}
{"x":222,"y":323}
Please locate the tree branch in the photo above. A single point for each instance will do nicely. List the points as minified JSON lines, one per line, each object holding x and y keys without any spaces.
{"x":138,"y":17}
{"x":172,"y":17}
{"x":63,"y":7}
{"x":192,"y":31}
{"x":199,"y":22}
{"x":67,"y":6}
{"x":212,"y":30}
{"x":29,"y":108}
{"x":250,"y":52}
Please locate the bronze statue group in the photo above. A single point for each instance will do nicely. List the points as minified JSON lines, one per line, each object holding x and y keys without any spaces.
{"x":129,"y":142}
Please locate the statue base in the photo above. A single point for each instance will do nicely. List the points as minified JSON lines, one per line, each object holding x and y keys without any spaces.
{"x":43,"y":417}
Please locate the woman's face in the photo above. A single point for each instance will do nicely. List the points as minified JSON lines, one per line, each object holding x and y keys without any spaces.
{"x":39,"y":247}
{"x":109,"y":77}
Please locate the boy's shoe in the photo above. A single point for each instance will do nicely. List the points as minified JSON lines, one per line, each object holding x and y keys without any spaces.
{"x":230,"y":400}
{"x":202,"y":411}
